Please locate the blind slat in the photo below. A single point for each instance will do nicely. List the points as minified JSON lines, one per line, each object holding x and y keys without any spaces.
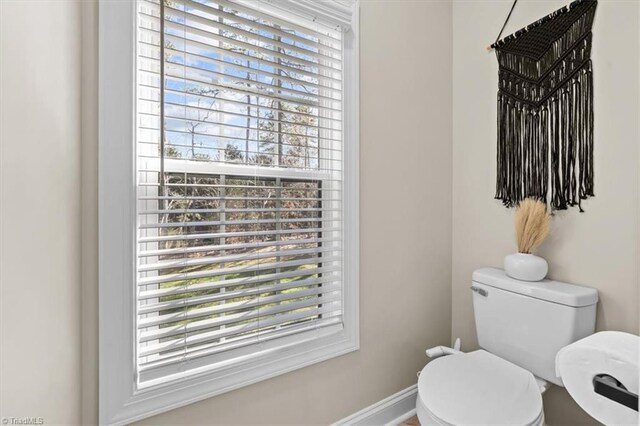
{"x":228,"y":319}
{"x":195,"y":46}
{"x":145,"y":281}
{"x":234,"y":330}
{"x":209,"y":235}
{"x":154,"y":366}
{"x":258,"y":89}
{"x":234,"y":282}
{"x":208,"y":62}
{"x":197,"y":75}
{"x":232,"y":222}
{"x":225,"y":210}
{"x":243,"y":104}
{"x":220,"y":13}
{"x":255,"y":37}
{"x":218,"y":198}
{"x":219,"y":155}
{"x":331,"y":37}
{"x":222,"y":126}
{"x":181,"y":348}
{"x":255,"y":308}
{"x":252,"y":140}
{"x":334,"y":124}
{"x":223,"y":247}
{"x":228,"y":295}
{"x":216,"y":260}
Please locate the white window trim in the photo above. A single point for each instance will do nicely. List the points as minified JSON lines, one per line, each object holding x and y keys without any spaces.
{"x":120,"y":402}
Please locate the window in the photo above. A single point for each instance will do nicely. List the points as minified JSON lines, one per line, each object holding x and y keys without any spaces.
{"x":228,"y":189}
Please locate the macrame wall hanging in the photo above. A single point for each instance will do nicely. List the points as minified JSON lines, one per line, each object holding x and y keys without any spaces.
{"x":545,"y":109}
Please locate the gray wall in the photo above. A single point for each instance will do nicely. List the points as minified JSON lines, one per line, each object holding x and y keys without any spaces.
{"x":40,"y":201}
{"x":598,"y":248}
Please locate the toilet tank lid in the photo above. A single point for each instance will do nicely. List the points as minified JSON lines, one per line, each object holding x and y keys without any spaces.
{"x":552,"y":291}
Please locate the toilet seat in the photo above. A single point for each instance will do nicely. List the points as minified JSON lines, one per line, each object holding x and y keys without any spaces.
{"x":478,"y":388}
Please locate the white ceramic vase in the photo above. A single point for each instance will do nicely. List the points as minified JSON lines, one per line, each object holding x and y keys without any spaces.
{"x":525,"y":267}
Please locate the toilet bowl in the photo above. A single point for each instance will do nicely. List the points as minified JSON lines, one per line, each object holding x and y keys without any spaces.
{"x":521,"y":326}
{"x":478,"y":388}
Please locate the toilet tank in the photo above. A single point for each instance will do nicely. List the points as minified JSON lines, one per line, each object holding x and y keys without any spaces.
{"x":527,"y":323}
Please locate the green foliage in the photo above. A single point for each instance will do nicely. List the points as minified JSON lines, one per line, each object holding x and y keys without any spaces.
{"x":171,"y":151}
{"x":201,"y":156}
{"x":262,"y":159}
{"x":233,"y":153}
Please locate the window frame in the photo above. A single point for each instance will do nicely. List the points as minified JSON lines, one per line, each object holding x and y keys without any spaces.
{"x":120,"y":400}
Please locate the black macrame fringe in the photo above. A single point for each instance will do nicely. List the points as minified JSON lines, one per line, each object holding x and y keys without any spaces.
{"x":545,"y":110}
{"x":547,"y":146}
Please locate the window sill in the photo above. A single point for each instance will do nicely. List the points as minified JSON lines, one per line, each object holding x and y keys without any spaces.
{"x":160,"y":398}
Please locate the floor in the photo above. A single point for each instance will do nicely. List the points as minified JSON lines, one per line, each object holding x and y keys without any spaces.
{"x":413,"y":421}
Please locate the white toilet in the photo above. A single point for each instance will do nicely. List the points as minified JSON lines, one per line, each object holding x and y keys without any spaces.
{"x":521,"y":326}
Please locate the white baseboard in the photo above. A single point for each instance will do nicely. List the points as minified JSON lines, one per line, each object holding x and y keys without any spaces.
{"x":389,"y":412}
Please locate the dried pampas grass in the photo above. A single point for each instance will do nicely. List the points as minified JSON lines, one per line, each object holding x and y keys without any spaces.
{"x":532,"y":224}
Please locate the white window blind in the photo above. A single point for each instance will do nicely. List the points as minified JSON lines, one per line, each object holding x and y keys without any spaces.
{"x":239,"y":183}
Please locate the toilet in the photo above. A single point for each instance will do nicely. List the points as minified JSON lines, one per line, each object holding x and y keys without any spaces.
{"x":521,"y":326}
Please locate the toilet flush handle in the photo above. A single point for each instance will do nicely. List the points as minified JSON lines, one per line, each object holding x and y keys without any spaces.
{"x":480,"y":291}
